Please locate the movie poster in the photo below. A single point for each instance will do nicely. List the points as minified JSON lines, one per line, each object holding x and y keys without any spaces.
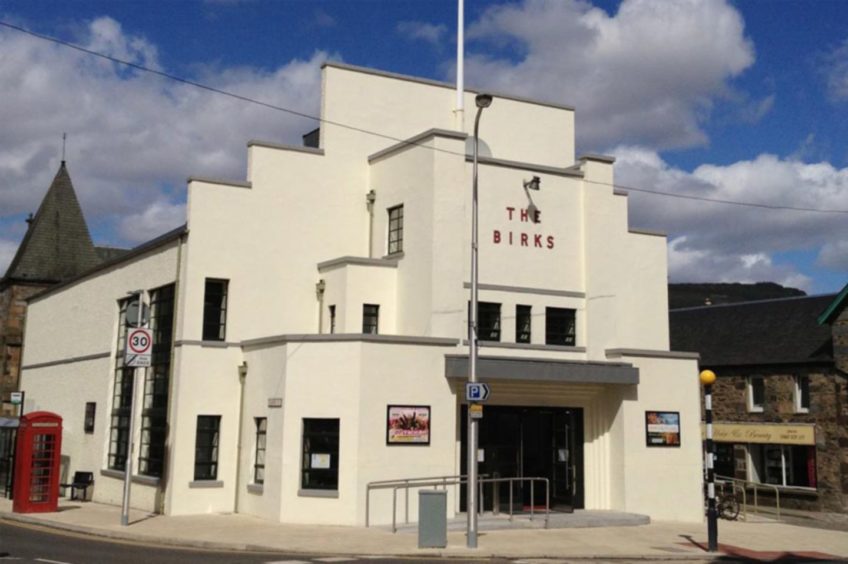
{"x":663,"y":428}
{"x":408,"y":425}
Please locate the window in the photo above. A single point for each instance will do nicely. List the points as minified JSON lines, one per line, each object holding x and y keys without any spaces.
{"x":756,"y":393}
{"x":259,"y":456}
{"x":154,"y":414}
{"x":559,"y":326}
{"x":488,"y":321}
{"x":206,"y":447}
{"x":332,"y":319}
{"x":88,"y":425}
{"x":523,"y":321}
{"x":119,"y":424}
{"x":396,"y":229}
{"x":215,"y":310}
{"x":802,"y":394}
{"x":320,"y":454}
{"x":783,"y":465}
{"x":370,"y":319}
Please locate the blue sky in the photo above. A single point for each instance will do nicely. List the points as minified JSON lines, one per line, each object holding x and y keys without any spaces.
{"x":738,"y":101}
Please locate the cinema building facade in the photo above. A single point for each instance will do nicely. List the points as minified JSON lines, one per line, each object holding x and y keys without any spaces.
{"x":310,"y":326}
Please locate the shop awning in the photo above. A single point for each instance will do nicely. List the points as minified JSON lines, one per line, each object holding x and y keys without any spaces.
{"x":521,"y":369}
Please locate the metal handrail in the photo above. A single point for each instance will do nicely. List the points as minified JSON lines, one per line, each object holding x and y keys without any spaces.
{"x":744,"y":484}
{"x":444,"y":482}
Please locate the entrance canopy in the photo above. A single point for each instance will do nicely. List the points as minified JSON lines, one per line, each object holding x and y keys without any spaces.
{"x":520,"y":369}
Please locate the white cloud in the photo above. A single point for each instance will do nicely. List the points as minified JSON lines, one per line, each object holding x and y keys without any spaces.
{"x":648,"y":74}
{"x":133,"y":138}
{"x":836,"y":72}
{"x":430,"y":33}
{"x":157,"y":218}
{"x":718,"y":242}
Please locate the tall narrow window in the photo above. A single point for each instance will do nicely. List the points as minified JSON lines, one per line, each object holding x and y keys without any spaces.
{"x":756,"y":393}
{"x":332,"y":319}
{"x":206,"y":447}
{"x":119,"y":424}
{"x":88,"y":425}
{"x":559,"y":326}
{"x":320,"y":470}
{"x":523,"y":321}
{"x":488,"y":321}
{"x":370,"y":319}
{"x":259,"y":456}
{"x":396,"y":229}
{"x":802,"y":394}
{"x":215,"y":310}
{"x":154,"y":415}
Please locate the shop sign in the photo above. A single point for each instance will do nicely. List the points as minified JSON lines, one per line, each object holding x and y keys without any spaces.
{"x":662,"y":428}
{"x":408,"y":425}
{"x":764,"y":433}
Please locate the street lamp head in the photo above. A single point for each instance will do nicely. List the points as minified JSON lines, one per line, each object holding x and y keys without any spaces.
{"x":483,"y":100}
{"x":707,"y":377}
{"x":533,"y":184}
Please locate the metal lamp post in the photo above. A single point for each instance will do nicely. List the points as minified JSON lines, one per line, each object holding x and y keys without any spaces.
{"x":125,"y":502}
{"x":708,"y":377}
{"x":483,"y":101}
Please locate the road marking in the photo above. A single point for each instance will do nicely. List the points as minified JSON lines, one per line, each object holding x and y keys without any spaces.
{"x":50,"y":561}
{"x":289,"y":562}
{"x":334,"y":559}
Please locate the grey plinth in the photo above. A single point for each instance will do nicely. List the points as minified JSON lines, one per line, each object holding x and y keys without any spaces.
{"x":432,"y":519}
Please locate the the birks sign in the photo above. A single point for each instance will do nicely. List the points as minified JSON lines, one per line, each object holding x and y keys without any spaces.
{"x":517,"y":237}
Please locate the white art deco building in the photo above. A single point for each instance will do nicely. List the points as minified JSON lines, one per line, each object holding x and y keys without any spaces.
{"x":310,"y":325}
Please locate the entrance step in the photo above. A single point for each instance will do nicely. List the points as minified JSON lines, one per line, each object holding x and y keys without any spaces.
{"x":581,"y":518}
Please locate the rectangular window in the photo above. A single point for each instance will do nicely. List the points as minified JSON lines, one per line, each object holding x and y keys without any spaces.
{"x":784,"y":465}
{"x":215,"y":310}
{"x":559,"y":326}
{"x":488,"y":321}
{"x":119,"y":424}
{"x":154,"y":415}
{"x":370,"y":319}
{"x":523,"y":321}
{"x":88,"y":425}
{"x":396,"y":229}
{"x":756,"y":393}
{"x":259,"y":456}
{"x":206,"y":447}
{"x":802,"y":394}
{"x":320,"y":468}
{"x":332,"y":319}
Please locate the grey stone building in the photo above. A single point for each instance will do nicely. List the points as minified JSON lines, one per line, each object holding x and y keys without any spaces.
{"x":56,"y":247}
{"x":780,"y":401}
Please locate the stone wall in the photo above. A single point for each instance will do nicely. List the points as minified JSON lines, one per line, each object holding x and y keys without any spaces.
{"x":828,"y":404}
{"x":12,"y":315}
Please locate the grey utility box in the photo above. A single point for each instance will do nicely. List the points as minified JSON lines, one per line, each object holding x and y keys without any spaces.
{"x":432,"y":519}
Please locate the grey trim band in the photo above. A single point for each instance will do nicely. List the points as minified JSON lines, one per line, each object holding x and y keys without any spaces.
{"x":206,"y":344}
{"x":222,"y":182}
{"x":283,"y":147}
{"x":67,"y":361}
{"x":318,"y":493}
{"x":647,"y":232}
{"x":257,"y":489}
{"x":415,"y":141}
{"x":449,"y":85}
{"x":527,"y":346}
{"x":648,"y":353}
{"x":357,"y":261}
{"x":526,"y":290}
{"x":135,"y":479}
{"x":200,"y":484}
{"x":352,"y":337}
{"x":518,"y":369}
{"x":596,"y":157}
{"x":545,"y":169}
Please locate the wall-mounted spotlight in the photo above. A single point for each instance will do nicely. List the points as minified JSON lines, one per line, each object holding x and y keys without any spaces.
{"x":533,"y":183}
{"x":320,"y":287}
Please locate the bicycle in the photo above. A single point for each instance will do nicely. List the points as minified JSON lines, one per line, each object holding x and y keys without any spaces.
{"x":727,"y":502}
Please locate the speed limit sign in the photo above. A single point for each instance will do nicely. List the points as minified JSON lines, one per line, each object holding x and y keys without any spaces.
{"x":139,"y":347}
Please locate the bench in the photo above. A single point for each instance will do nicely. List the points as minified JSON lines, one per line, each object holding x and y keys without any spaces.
{"x":82,"y":481}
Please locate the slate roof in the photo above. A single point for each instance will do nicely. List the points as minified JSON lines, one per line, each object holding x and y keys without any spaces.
{"x":767,"y":332}
{"x":57,"y":246}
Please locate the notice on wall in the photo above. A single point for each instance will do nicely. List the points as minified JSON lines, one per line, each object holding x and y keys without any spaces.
{"x":408,"y":425}
{"x":319,"y":461}
{"x":662,"y":428}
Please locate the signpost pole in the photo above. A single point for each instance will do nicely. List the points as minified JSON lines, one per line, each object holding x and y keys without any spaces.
{"x":125,"y":505}
{"x":708,"y":377}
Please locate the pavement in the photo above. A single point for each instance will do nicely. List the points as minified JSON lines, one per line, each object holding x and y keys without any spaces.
{"x":761,"y":539}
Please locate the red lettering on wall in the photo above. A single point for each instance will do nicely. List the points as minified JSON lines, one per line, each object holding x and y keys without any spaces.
{"x":497,"y":237}
{"x":537,"y":241}
{"x":524,"y":215}
{"x":509,"y":212}
{"x":550,"y":241}
{"x":524,"y":239}
{"x":537,"y":216}
{"x":510,"y":237}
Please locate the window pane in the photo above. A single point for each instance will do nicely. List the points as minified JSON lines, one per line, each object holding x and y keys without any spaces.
{"x":395,"y":230}
{"x":559,"y":326}
{"x":320,"y":465}
{"x":758,"y":392}
{"x":259,"y":457}
{"x":370,"y":319}
{"x":488,"y":321}
{"x":215,"y":310}
{"x":523,"y":322}
{"x":206,"y":447}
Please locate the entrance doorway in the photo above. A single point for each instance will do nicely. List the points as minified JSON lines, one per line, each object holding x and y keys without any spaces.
{"x":529,"y":442}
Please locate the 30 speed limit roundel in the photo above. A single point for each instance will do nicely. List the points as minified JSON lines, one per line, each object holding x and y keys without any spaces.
{"x":139,"y":346}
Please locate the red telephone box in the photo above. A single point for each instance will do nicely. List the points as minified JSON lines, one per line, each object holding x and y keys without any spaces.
{"x":37,"y":463}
